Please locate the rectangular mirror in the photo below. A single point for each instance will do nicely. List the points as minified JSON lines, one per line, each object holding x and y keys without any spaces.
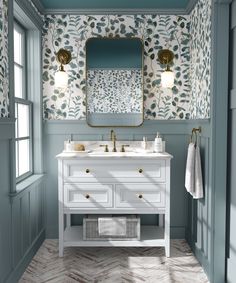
{"x":114,"y":82}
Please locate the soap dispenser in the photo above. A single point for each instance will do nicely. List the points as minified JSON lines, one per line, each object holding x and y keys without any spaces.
{"x":158,"y":143}
{"x":144,"y":143}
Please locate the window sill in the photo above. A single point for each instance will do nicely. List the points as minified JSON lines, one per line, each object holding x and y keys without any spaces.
{"x":25,"y":184}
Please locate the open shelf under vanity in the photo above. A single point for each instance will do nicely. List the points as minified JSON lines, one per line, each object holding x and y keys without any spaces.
{"x":151,"y":236}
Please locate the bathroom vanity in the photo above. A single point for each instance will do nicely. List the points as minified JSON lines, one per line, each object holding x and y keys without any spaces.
{"x":114,"y":183}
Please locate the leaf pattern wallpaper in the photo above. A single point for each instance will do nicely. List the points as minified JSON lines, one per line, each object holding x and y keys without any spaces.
{"x":157,"y":31}
{"x":189,"y":37}
{"x":200,"y":49}
{"x":4,"y":82}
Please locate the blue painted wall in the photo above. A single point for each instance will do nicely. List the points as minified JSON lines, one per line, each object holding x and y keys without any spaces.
{"x":176,"y":134}
{"x":22,"y":226}
{"x":21,"y":215}
{"x":232,"y":155}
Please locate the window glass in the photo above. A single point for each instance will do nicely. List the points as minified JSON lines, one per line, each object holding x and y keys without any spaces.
{"x":18,"y":73}
{"x":23,"y":147}
{"x":23,"y":108}
{"x":17,"y":47}
{"x":23,"y":120}
{"x":17,"y":164}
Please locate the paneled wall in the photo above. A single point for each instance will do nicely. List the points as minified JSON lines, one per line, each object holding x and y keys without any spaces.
{"x":6,"y":131}
{"x":232,"y":155}
{"x":21,"y":215}
{"x":22,"y":225}
{"x":199,"y":231}
{"x":176,"y":134}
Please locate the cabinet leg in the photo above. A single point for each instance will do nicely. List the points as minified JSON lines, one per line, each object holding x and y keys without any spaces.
{"x":68,"y":220}
{"x":167,"y":248}
{"x":167,"y":235}
{"x":61,"y":249}
{"x":161,"y":220}
{"x":61,"y":233}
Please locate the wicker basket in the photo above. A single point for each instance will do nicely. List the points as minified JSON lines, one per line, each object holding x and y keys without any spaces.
{"x":90,"y":228}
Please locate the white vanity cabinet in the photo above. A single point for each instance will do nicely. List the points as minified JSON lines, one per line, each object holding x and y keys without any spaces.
{"x":137,"y":184}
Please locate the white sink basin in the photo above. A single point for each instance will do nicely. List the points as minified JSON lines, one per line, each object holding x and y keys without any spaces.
{"x":109,"y":154}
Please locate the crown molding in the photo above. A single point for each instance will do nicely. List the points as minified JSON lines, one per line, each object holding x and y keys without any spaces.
{"x":115,"y":11}
{"x":39,"y":6}
{"x":224,"y":2}
{"x":24,"y":7}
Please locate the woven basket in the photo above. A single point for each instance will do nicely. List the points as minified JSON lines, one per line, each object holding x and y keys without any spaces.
{"x":90,"y":228}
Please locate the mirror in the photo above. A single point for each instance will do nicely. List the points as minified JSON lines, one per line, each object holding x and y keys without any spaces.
{"x":114,"y":82}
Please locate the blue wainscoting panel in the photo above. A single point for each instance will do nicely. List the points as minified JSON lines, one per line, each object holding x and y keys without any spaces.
{"x":176,"y":134}
{"x":22,"y":225}
{"x":231,"y":215}
{"x":5,"y":211}
{"x":28,"y":224}
{"x":231,"y":276}
{"x":200,"y":228}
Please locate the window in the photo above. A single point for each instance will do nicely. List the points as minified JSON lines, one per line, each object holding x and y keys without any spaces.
{"x":23,"y":107}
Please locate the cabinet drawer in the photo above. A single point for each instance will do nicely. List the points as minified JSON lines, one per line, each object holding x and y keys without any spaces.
{"x":88,"y":195}
{"x":92,"y":171}
{"x":140,"y":195}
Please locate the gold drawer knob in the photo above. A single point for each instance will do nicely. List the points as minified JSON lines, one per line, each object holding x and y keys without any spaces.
{"x":87,"y":170}
{"x":140,"y":171}
{"x":87,"y":196}
{"x":140,"y":196}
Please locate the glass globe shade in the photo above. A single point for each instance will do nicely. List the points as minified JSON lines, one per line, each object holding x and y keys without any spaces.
{"x":167,"y":79}
{"x":61,"y":79}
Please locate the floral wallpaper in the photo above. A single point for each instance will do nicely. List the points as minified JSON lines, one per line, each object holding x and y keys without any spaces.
{"x":200,"y":49}
{"x":188,"y":36}
{"x":114,"y":91}
{"x":4,"y":82}
{"x":157,"y":31}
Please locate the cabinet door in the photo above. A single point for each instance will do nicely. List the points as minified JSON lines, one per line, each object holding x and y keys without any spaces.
{"x":88,"y":195}
{"x":144,"y":195}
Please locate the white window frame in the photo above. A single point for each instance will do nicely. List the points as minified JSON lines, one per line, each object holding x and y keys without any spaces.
{"x":24,"y":101}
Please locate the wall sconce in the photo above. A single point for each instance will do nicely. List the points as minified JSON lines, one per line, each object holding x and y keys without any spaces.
{"x":166,"y":57}
{"x":61,"y":77}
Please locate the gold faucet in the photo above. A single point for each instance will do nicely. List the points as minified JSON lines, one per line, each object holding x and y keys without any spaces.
{"x":113,"y":138}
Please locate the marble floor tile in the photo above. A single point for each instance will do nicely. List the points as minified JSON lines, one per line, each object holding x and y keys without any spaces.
{"x":114,"y":265}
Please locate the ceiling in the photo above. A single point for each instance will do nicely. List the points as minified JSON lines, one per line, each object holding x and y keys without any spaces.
{"x":114,"y":4}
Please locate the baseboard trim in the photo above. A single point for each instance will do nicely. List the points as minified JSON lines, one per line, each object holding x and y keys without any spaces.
{"x":22,"y":265}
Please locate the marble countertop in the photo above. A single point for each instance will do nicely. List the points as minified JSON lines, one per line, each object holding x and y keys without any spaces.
{"x":99,"y":154}
{"x":93,"y":150}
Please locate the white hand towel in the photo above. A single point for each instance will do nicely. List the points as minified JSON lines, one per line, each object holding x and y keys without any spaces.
{"x":112,"y":226}
{"x":190,"y":168}
{"x":198,"y":185}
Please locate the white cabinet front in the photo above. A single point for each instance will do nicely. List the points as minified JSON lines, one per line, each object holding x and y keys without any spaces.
{"x":96,"y":171}
{"x":88,"y":195}
{"x":132,"y":195}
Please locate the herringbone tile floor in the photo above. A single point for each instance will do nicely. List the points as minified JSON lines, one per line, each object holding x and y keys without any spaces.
{"x":114,"y":265}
